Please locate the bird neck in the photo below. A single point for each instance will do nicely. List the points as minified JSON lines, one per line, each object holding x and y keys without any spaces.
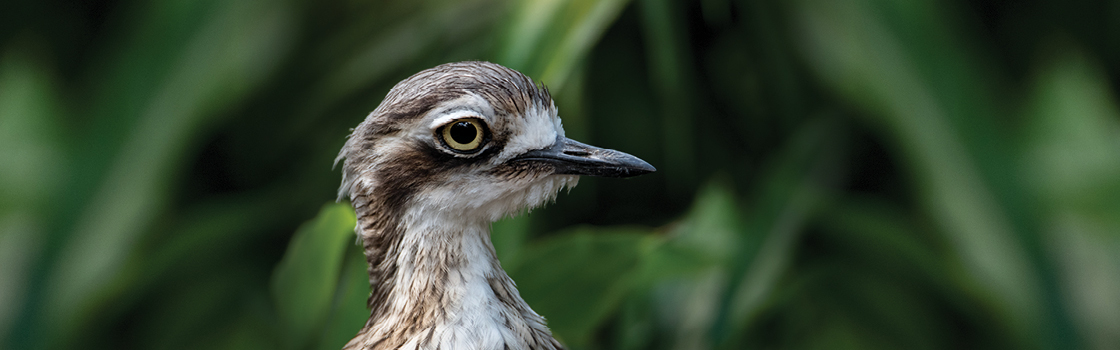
{"x":437,"y":283}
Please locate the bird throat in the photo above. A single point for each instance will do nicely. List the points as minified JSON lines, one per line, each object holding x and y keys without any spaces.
{"x":437,"y":284}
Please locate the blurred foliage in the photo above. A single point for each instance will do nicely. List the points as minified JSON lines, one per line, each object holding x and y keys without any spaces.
{"x":832,"y":174}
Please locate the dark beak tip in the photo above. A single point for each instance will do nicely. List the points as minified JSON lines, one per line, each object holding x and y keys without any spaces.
{"x":642,"y":169}
{"x":630,"y":168}
{"x":635,"y":173}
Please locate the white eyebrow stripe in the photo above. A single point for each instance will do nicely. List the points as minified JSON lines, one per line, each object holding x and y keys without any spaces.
{"x":470,"y":105}
{"x":460,"y":114}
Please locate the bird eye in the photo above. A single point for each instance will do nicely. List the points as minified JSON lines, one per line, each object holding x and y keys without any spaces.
{"x":463,"y":135}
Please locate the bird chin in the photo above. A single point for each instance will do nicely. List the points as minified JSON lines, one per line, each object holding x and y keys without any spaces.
{"x":530,"y":196}
{"x":484,"y":200}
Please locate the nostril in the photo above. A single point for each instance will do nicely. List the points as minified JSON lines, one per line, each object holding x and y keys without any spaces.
{"x":578,"y":153}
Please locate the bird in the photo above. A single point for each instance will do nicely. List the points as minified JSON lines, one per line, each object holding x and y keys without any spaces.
{"x":449,"y":151}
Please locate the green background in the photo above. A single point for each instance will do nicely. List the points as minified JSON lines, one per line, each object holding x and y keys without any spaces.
{"x":856,"y":174}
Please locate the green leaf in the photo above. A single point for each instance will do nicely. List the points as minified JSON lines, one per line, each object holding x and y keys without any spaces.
{"x":792,"y":188}
{"x":580,"y":277}
{"x":547,"y":39}
{"x":32,"y":166}
{"x":1073,"y":161}
{"x":863,"y":54}
{"x":1073,"y":154}
{"x":349,"y":312}
{"x":31,"y":159}
{"x":304,"y":282}
{"x":220,"y":61}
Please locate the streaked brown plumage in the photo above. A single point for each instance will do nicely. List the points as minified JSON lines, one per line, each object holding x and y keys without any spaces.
{"x":425,"y":197}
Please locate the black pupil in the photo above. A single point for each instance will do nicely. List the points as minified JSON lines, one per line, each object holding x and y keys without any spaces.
{"x":463,"y":132}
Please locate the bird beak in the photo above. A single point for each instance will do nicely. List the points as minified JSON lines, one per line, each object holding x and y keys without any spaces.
{"x":571,"y":157}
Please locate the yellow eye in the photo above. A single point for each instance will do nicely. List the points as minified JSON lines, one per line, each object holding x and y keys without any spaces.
{"x":463,"y":135}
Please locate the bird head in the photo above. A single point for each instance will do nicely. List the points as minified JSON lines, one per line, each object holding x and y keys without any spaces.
{"x":470,"y":140}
